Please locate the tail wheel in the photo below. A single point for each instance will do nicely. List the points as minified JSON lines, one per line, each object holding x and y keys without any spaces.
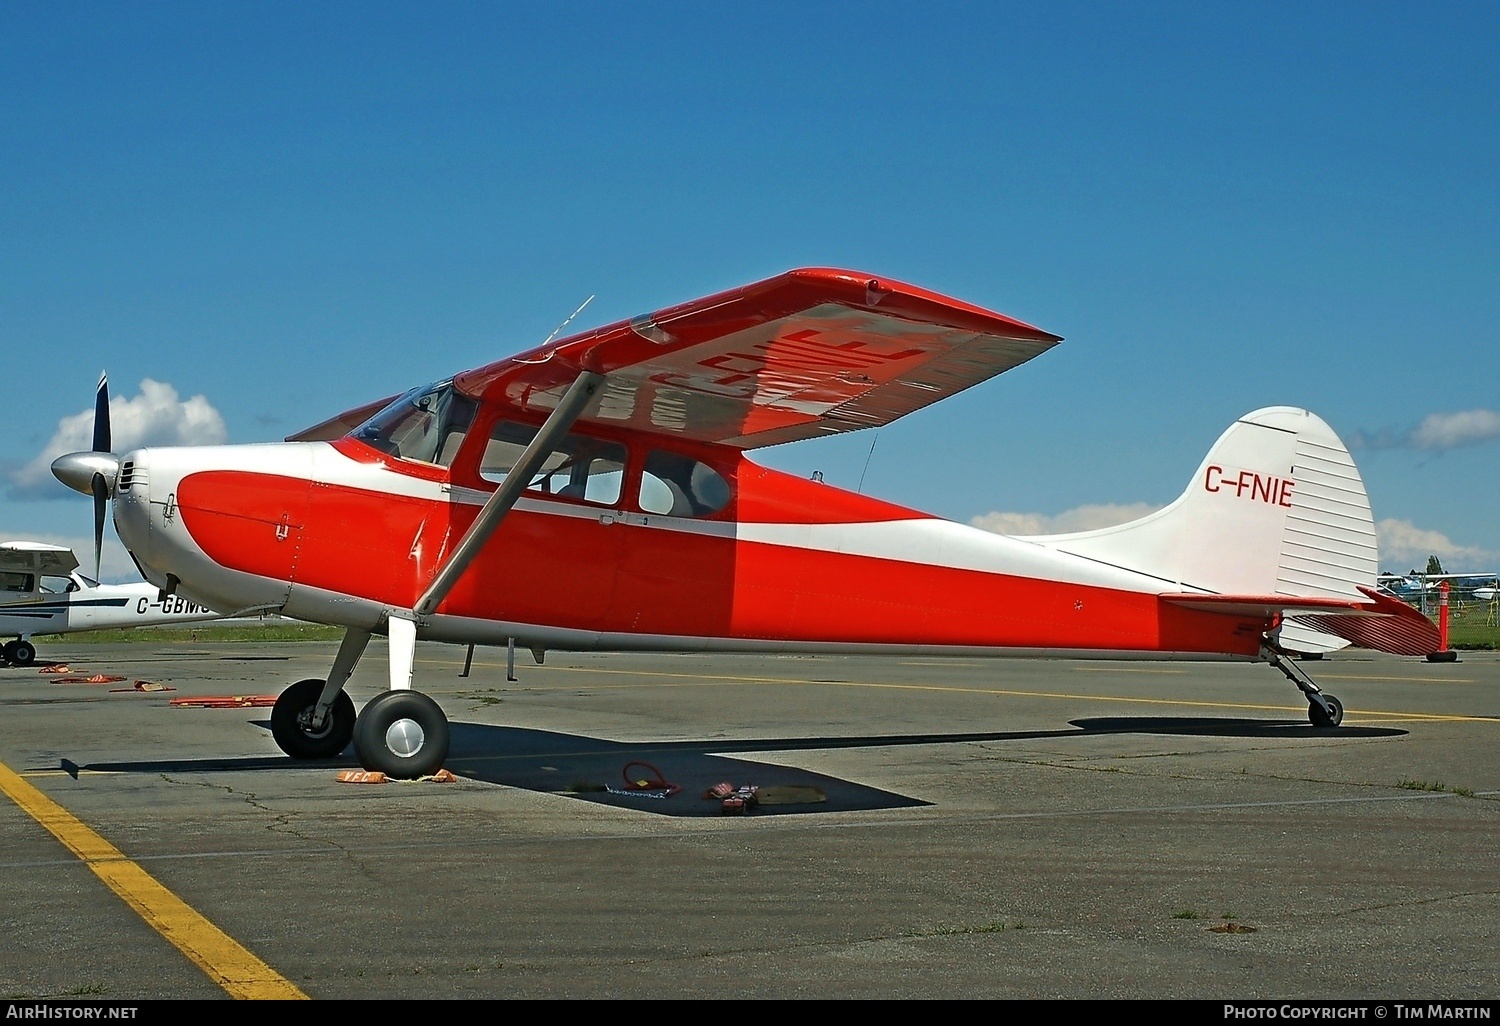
{"x":403,"y":734}
{"x":1320,"y":718}
{"x":291,"y":720}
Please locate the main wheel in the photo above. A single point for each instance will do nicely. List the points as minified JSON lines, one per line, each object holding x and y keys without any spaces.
{"x":292,"y":713}
{"x":402,"y":734}
{"x":24,"y":654}
{"x":1322,"y":719}
{"x":8,"y":650}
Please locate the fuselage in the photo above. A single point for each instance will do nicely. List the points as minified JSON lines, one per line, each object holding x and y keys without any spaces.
{"x":343,"y":533}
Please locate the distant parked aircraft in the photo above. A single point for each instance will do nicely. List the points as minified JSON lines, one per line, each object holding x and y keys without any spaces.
{"x":42,"y":592}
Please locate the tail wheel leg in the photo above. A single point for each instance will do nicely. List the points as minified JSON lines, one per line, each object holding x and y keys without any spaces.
{"x":1323,"y":710}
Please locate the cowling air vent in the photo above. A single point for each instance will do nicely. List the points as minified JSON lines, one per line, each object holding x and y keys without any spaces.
{"x":127,"y":476}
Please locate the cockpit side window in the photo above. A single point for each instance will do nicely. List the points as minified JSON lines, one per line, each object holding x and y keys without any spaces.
{"x":58,"y":585}
{"x":579,"y":467}
{"x":426,"y":424}
{"x":680,"y":486}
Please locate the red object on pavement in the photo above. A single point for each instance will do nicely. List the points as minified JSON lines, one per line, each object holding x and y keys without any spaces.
{"x":225,"y":701}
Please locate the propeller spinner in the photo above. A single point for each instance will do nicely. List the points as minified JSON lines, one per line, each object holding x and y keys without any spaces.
{"x":93,"y":472}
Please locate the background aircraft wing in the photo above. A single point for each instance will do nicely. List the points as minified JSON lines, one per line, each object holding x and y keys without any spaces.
{"x":37,"y":558}
{"x":807,"y":353}
{"x":340,"y":425}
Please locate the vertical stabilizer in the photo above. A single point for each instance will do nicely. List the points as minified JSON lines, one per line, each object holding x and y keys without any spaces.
{"x":1277,"y":508}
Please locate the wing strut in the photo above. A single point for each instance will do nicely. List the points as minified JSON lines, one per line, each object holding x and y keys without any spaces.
{"x":558,"y":423}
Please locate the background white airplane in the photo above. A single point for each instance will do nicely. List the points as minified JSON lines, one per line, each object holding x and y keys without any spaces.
{"x":41,"y":592}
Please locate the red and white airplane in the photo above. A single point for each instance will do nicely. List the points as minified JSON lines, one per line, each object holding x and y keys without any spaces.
{"x":595,"y":494}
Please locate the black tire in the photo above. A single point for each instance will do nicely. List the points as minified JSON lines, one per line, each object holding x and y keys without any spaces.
{"x":403,"y":734}
{"x":294,"y":739}
{"x":1321,"y":719}
{"x":6,"y":651}
{"x":24,"y":653}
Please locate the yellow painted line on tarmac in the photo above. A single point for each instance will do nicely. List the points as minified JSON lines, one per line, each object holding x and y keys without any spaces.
{"x":706,"y":680}
{"x":219,"y":955}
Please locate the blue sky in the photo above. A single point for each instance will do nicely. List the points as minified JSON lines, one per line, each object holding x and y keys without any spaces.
{"x":288,"y":210}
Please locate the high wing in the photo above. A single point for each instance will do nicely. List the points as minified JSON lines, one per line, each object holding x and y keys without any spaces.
{"x":38,"y":558}
{"x":807,"y":353}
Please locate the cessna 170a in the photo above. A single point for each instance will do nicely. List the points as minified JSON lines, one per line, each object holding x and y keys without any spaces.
{"x":595,"y":494}
{"x":42,"y":592}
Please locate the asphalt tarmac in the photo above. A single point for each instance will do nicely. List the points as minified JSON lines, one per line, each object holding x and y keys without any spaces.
{"x":966,"y":829}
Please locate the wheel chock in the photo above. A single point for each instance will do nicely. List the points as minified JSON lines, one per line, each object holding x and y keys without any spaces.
{"x":225,"y":701}
{"x":55,"y":668}
{"x":362,"y":777}
{"x":442,"y":776}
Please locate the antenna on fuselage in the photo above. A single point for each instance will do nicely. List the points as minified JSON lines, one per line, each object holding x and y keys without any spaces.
{"x":557,"y":330}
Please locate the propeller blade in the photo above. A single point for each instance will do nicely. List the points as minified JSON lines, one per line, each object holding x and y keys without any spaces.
{"x":101,"y":416}
{"x":100,"y":488}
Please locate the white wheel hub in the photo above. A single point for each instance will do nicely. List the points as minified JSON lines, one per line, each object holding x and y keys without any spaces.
{"x":404,"y":738}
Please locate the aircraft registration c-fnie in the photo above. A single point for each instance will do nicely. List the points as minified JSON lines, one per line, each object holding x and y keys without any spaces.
{"x":595,"y":494}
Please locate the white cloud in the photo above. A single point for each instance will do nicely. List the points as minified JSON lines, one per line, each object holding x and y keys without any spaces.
{"x":1449,"y":430}
{"x":1437,"y":432}
{"x":1082,"y":518}
{"x":1405,"y":546}
{"x":154,"y":417}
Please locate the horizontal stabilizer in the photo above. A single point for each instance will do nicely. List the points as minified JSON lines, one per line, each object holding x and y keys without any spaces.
{"x":1379,"y":622}
{"x":1395,"y":627}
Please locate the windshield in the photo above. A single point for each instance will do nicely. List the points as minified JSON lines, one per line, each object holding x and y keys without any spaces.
{"x":425,"y":424}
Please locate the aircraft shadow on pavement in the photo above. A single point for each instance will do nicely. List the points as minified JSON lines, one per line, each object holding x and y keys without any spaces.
{"x":609,"y":772}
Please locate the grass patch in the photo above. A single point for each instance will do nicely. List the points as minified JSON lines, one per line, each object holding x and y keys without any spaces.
{"x":187,"y":635}
{"x":1470,"y":632}
{"x":1186,"y":913}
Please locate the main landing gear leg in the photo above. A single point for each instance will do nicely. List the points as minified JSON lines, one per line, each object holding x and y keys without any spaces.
{"x":1322,"y":708}
{"x":314,"y":719}
{"x":401,"y":733}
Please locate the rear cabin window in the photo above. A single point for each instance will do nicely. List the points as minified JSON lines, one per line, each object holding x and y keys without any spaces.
{"x":17,"y":582}
{"x":579,"y":467}
{"x":425,"y":424}
{"x":680,"y":486}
